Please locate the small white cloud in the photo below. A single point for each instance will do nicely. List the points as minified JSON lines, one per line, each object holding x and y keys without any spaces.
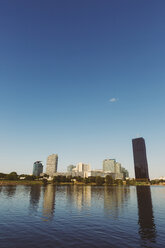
{"x":113,"y":99}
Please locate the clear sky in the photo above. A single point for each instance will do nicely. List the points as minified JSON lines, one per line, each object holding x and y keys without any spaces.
{"x":81,"y":79}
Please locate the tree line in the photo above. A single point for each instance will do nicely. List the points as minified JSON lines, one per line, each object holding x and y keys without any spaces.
{"x":14,"y":176}
{"x":108,"y":180}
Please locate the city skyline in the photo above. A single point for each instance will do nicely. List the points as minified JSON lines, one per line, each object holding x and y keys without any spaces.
{"x":52,"y":163}
{"x":81,"y":78}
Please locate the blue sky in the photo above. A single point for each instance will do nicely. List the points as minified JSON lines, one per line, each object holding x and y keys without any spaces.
{"x":60,"y":64}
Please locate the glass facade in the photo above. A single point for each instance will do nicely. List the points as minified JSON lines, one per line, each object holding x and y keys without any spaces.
{"x":109,"y":165}
{"x":140,"y":158}
{"x":37,"y":168}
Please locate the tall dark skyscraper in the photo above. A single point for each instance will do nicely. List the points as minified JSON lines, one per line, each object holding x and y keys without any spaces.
{"x":140,"y":158}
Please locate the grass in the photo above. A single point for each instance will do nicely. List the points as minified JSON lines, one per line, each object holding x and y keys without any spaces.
{"x":20,"y":182}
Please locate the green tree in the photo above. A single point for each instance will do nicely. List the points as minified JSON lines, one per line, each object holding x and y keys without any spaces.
{"x":79,"y":179}
{"x":118,"y":182}
{"x":127,"y":182}
{"x":86,"y":180}
{"x":30,"y":177}
{"x":12,"y":176}
{"x":109,"y":180}
{"x":46,"y":175}
{"x":45,"y":181}
{"x":99,"y":180}
{"x":131,"y":182}
{"x":57,"y":179}
{"x":2,"y":175}
{"x":69,"y":178}
{"x":61,"y":179}
{"x":92,"y":179}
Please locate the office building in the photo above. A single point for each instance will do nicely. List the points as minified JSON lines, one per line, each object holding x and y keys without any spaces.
{"x":115,"y":175}
{"x":140,"y":159}
{"x":70,"y":168}
{"x":51,"y":165}
{"x":83,"y":167}
{"x":95,"y":173}
{"x":109,"y":165}
{"x":82,"y":170}
{"x":118,"y":168}
{"x":37,"y":168}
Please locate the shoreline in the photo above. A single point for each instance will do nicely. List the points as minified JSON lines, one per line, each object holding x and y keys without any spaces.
{"x":7,"y":182}
{"x":29,"y":182}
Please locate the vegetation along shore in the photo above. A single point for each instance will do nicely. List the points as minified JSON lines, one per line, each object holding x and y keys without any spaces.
{"x":14,"y":179}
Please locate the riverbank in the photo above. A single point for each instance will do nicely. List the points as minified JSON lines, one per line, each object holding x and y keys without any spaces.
{"x":20,"y":182}
{"x":39,"y":182}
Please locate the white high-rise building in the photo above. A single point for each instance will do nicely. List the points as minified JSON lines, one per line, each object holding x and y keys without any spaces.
{"x":118,"y":168}
{"x":51,"y":165}
{"x":81,"y":170}
{"x":83,"y":167}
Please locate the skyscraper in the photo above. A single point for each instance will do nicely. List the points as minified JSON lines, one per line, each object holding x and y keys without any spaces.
{"x":70,"y":167}
{"x":37,"y":168}
{"x":83,"y":169}
{"x":51,"y":165}
{"x":109,"y":165}
{"x":140,"y":159}
{"x":118,"y":168}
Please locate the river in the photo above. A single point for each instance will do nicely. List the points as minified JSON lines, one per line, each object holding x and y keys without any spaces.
{"x":82,"y":216}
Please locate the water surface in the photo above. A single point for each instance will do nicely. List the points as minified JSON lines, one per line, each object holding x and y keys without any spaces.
{"x":82,"y":216}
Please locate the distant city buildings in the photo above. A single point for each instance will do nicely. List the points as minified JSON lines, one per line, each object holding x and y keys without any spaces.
{"x":95,"y":173}
{"x":37,"y":168}
{"x":70,"y":167}
{"x":113,"y":168}
{"x":118,"y":168}
{"x":109,"y":165}
{"x":81,"y":170}
{"x":51,"y":165}
{"x":140,"y":159}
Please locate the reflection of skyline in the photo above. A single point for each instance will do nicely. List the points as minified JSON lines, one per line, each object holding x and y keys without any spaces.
{"x":147,"y":228}
{"x":1,"y":188}
{"x":35,"y":193}
{"x":9,"y":190}
{"x":114,"y":198}
{"x":49,"y":201}
{"x":79,"y":195}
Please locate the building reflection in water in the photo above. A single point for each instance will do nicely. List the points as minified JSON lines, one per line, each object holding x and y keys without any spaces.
{"x":9,"y":190}
{"x":79,"y":195}
{"x":49,"y":201}
{"x":113,"y":197}
{"x":35,"y":192}
{"x":114,"y":200}
{"x":1,"y":187}
{"x":147,"y":228}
